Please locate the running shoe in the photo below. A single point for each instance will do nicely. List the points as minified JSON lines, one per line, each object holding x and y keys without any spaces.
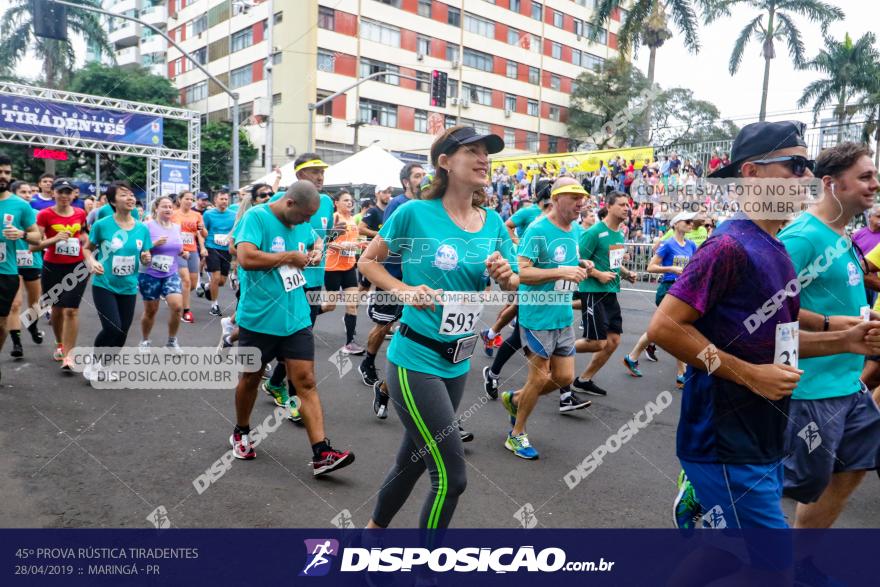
{"x":686,"y":510}
{"x":568,"y":402}
{"x":17,"y":351}
{"x":67,"y":365}
{"x":224,"y":344}
{"x":277,"y":392}
{"x":227,"y":325}
{"x":36,"y":335}
{"x":353,"y":348}
{"x":464,"y":434}
{"x":173,"y":345}
{"x":632,"y":366}
{"x":331,"y":460}
{"x":520,"y":446}
{"x":488,"y":344}
{"x":267,"y":372}
{"x":208,"y":293}
{"x":200,"y":290}
{"x":380,"y":401}
{"x":507,"y":402}
{"x":58,"y":355}
{"x":242,"y":446}
{"x":293,"y":410}
{"x":651,"y":352}
{"x":368,"y":373}
{"x":679,"y":382}
{"x":588,"y":387}
{"x":187,"y":317}
{"x":144,"y":346}
{"x":215,"y":310}
{"x":490,"y":384}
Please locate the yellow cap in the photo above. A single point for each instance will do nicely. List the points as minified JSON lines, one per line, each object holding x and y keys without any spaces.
{"x":572,"y":189}
{"x":312,"y":163}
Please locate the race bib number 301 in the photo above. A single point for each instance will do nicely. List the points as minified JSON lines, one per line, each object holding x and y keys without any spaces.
{"x":291,"y":277}
{"x":786,"y":352}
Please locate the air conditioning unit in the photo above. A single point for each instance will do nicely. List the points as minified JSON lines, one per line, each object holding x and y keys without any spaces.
{"x":453,"y":101}
{"x":507,"y":113}
{"x":261,"y":107}
{"x":465,"y":103}
{"x":420,"y":56}
{"x":328,"y":120}
{"x":455,"y":64}
{"x":290,"y":151}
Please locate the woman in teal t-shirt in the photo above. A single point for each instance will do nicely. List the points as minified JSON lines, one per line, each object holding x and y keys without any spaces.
{"x":447,"y":242}
{"x":122,"y":244}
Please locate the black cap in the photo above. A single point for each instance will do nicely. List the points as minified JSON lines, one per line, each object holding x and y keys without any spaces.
{"x":63,"y":184}
{"x":466,"y":136}
{"x":760,"y":139}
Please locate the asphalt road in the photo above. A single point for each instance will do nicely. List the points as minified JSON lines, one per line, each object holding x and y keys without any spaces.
{"x":81,"y":457}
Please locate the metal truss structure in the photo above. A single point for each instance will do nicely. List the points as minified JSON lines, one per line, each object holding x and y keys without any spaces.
{"x":74,"y":141}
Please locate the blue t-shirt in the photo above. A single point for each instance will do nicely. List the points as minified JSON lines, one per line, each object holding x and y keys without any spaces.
{"x":835,"y":287}
{"x":731,"y":278}
{"x":392,"y":262}
{"x":15,"y":211}
{"x":38,"y":203}
{"x":673,"y":254}
{"x":119,"y":251}
{"x":437,"y":253}
{"x":273,"y":301}
{"x":219,"y":225}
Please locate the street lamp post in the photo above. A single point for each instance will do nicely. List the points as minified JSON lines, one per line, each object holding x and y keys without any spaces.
{"x":233,"y":95}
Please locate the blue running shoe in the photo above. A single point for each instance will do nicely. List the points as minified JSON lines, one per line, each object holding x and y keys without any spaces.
{"x":632,"y":366}
{"x":507,"y":400}
{"x":488,"y":344}
{"x":679,"y":382}
{"x":519,"y":445}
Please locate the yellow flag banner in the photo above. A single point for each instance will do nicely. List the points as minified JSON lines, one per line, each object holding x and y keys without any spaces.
{"x":579,"y":162}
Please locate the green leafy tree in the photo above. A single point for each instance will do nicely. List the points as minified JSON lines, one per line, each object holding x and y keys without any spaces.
{"x":58,"y":57}
{"x":647,"y":23}
{"x":850,"y":73}
{"x":775,"y":23}
{"x":682,"y":119}
{"x":217,"y":154}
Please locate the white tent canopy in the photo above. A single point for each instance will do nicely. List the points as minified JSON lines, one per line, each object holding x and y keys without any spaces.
{"x":372,"y":166}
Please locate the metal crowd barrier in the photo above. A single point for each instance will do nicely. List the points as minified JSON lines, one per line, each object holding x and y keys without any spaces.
{"x":638,"y":255}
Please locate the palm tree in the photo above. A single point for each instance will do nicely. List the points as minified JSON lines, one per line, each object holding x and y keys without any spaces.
{"x":58,"y":57}
{"x":646,"y":23}
{"x":848,"y":68}
{"x":774,"y":23}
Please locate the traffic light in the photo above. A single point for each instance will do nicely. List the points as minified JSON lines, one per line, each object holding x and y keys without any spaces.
{"x":50,"y":19}
{"x":439,"y":80}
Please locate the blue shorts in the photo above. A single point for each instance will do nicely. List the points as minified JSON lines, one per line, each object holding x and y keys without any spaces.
{"x":827,"y":436}
{"x":152,"y":288}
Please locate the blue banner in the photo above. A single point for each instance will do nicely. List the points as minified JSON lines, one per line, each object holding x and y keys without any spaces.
{"x":454,"y":557}
{"x":174,"y":176}
{"x":42,"y":117}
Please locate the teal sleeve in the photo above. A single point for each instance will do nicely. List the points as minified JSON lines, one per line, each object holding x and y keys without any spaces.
{"x":530,"y":245}
{"x":395,"y":228}
{"x":95,"y":233}
{"x":148,"y":240}
{"x":800,"y":249}
{"x":506,"y":248}
{"x":251,"y":231}
{"x":28,"y":217}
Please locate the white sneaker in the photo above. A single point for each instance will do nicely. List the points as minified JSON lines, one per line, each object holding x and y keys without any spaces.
{"x":227,"y":325}
{"x":144,"y":346}
{"x":91,"y":370}
{"x":173,"y":345}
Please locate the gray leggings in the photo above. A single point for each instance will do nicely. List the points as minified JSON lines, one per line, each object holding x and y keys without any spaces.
{"x":426,"y":404}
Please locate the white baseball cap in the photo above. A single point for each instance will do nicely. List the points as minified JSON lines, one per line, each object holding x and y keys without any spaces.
{"x":681,"y":216}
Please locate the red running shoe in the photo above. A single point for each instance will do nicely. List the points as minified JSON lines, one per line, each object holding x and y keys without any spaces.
{"x":330,"y":460}
{"x":242,"y":446}
{"x":187,"y":317}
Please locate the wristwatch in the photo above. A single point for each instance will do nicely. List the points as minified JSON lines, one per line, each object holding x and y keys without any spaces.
{"x":827,"y":323}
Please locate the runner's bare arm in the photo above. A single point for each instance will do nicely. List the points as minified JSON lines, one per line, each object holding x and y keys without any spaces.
{"x":511,"y":230}
{"x":530,"y":275}
{"x":251,"y":258}
{"x":811,"y":321}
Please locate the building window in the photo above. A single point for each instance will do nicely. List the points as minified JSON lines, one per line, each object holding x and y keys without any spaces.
{"x":369,"y":67}
{"x":425,"y":8}
{"x":423,"y":45}
{"x":556,"y":50}
{"x":452,"y":52}
{"x":515,"y":5}
{"x":575,"y":57}
{"x":196,"y":92}
{"x":532,"y":141}
{"x":479,"y":26}
{"x":601,"y":34}
{"x":534,"y":76}
{"x":450,"y":121}
{"x":452,"y":90}
{"x":276,"y":99}
{"x":552,"y":144}
{"x":477,"y":59}
{"x":532,"y":108}
{"x":557,"y":19}
{"x":380,"y":33}
{"x":511,"y":69}
{"x":509,"y":138}
{"x":536,"y":10}
{"x":510,"y":102}
{"x":394,"y":3}
{"x":592,"y":62}
{"x":325,"y":60}
{"x":421,"y":121}
{"x":554,"y":113}
{"x":200,"y":24}
{"x":477,"y":94}
{"x":424,"y":83}
{"x":578,"y":27}
{"x":326,"y":18}
{"x":373,"y":112}
{"x":513,"y":36}
{"x":201,"y":55}
{"x":241,"y":40}
{"x":325,"y":109}
{"x":623,"y":14}
{"x":555,"y":82}
{"x":453,"y":17}
{"x":534,"y":43}
{"x":241,"y":76}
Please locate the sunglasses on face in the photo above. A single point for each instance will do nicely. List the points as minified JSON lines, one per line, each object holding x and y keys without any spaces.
{"x":264,"y":195}
{"x":795,"y":163}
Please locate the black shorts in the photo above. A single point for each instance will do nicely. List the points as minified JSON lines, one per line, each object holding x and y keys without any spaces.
{"x":218,"y":260}
{"x":30,"y":273}
{"x":600,"y":314}
{"x":363,"y":281}
{"x":337,"y":280}
{"x":382,"y":313}
{"x":68,"y":280}
{"x":8,"y":289}
{"x":299,"y":346}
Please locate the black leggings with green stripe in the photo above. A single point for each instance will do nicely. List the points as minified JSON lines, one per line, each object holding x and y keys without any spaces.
{"x":426,"y":404}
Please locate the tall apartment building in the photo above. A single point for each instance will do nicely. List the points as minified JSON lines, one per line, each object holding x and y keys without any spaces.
{"x":133,"y":43}
{"x":511,"y":66}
